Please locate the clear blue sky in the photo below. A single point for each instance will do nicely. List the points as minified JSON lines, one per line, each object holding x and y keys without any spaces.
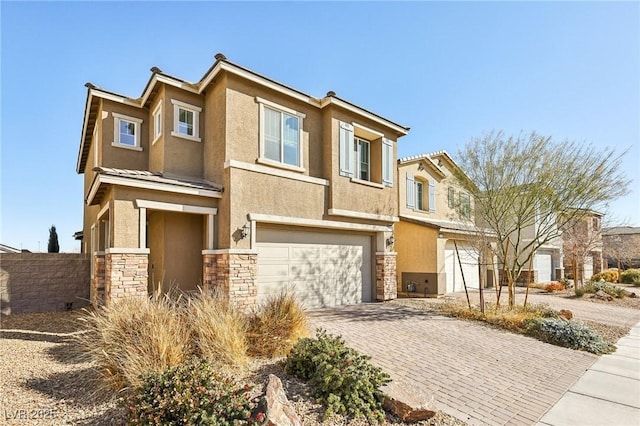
{"x":451,"y":71}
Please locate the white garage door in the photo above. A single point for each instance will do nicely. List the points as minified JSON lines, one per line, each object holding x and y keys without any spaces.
{"x":469,"y":259}
{"x":542,"y":264}
{"x":323,"y":269}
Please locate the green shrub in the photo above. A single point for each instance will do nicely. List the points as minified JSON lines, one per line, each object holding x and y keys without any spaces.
{"x":608,"y":275}
{"x":610,"y":289}
{"x":276,"y":326}
{"x":191,"y":393}
{"x":630,"y":276}
{"x":570,"y":334}
{"x":342,"y":379}
{"x":580,"y":291}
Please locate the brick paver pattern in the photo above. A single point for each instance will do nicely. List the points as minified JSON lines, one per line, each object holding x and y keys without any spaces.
{"x":476,"y":373}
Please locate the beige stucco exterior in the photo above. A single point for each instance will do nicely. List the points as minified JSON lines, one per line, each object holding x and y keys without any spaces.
{"x":184,"y":202}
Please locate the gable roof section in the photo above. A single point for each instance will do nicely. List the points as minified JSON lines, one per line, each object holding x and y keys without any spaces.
{"x":423,"y":158}
{"x":221,"y":64}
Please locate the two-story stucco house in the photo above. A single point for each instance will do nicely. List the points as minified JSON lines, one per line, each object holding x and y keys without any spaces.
{"x":239,"y":183}
{"x":439,"y":247}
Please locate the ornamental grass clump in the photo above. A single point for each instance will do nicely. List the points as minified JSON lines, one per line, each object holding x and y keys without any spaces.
{"x":342,"y":379}
{"x":132,"y":337}
{"x":567,"y":333}
{"x":218,"y":330}
{"x":630,"y":276}
{"x":192,"y":393}
{"x":276,"y":326}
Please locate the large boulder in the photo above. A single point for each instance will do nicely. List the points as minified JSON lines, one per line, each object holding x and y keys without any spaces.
{"x":278,"y":409}
{"x":406,"y":407}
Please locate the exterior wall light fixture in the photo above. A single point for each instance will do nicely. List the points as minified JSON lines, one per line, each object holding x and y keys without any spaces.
{"x":391,"y":240}
{"x":245,"y":230}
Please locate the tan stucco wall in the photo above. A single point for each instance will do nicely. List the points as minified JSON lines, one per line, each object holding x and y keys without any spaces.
{"x":417,"y":248}
{"x":125,"y":227}
{"x":346,"y":194}
{"x":156,"y":148}
{"x":123,"y":158}
{"x":156,"y":241}
{"x":214,"y":115}
{"x":183,"y":244}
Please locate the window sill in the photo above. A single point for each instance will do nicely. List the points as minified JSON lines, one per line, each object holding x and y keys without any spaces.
{"x":422,"y":211}
{"x":279,"y":165}
{"x":156,"y":139}
{"x":133,"y":148}
{"x":187,"y":137}
{"x":367,"y":183}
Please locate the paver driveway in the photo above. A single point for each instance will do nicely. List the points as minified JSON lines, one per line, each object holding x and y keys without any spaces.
{"x":478,"y":374}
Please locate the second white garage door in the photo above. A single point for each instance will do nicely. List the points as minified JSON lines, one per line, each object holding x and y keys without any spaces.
{"x":542,"y":264}
{"x":454,"y":274}
{"x":323,"y":269}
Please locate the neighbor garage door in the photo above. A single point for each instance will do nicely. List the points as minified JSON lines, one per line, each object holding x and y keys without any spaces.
{"x":469,"y":259}
{"x":323,"y":269}
{"x":542,"y":264}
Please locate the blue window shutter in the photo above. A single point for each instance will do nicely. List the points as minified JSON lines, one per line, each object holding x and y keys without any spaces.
{"x":347,"y":160}
{"x":432,"y":196}
{"x":387,"y":162}
{"x":411,"y":191}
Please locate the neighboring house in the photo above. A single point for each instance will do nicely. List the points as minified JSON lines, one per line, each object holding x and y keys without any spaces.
{"x":437,"y":242}
{"x":8,"y":249}
{"x":582,"y":246}
{"x":241,"y":184}
{"x":621,"y":246}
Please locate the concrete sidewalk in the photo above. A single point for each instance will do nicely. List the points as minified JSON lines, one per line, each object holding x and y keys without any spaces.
{"x":607,"y":394}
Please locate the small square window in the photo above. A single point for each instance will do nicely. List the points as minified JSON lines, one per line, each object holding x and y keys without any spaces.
{"x":186,"y":119}
{"x":126,"y":131}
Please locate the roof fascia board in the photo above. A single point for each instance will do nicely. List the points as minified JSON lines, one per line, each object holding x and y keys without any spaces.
{"x":87,"y":108}
{"x":345,"y":105}
{"x":160,"y":78}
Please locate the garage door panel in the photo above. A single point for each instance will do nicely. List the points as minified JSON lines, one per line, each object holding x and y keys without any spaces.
{"x":542,"y":263}
{"x":322,"y":269}
{"x":456,"y":276}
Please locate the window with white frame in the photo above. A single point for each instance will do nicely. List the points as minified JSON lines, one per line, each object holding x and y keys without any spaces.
{"x":186,"y":120}
{"x":280,"y":135}
{"x":126,"y":131}
{"x":157,"y":122}
{"x":416,"y":197}
{"x":363,"y":158}
{"x":365,"y":155}
{"x":451,"y":197}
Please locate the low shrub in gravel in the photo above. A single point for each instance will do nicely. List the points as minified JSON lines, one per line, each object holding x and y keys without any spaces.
{"x":276,"y":326}
{"x":218,"y":330}
{"x":132,"y":337}
{"x":630,"y":276}
{"x":342,"y":379}
{"x":595,"y":286}
{"x":570,"y":334}
{"x":608,"y":275}
{"x":551,"y":287}
{"x":192,"y":393}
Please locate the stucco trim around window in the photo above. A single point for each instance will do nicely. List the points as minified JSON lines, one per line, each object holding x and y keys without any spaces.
{"x":195,"y":125}
{"x":158,"y":122}
{"x":257,"y":168}
{"x":135,"y":122}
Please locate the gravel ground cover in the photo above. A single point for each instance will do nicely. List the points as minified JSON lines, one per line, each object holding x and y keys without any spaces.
{"x":42,"y":381}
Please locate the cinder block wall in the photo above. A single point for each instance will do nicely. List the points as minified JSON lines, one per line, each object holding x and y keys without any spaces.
{"x":41,"y":282}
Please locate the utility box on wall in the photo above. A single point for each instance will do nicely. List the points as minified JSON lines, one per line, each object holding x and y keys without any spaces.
{"x":420,"y":283}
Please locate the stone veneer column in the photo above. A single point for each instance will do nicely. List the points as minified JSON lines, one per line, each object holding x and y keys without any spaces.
{"x":233,"y":275}
{"x":386,"y":280}
{"x":126,"y":273}
{"x":98,"y":280}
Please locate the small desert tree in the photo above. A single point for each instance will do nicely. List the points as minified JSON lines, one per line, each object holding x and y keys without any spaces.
{"x":526,"y":188}
{"x":580,"y":238}
{"x":53,"y":246}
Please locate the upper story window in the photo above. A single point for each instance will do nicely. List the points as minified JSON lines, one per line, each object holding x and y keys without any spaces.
{"x":465,"y":206}
{"x":363,"y":158}
{"x":126,"y":131}
{"x":417,"y":198}
{"x":186,"y":120}
{"x":451,"y":197}
{"x":157,"y":122}
{"x":280,"y":135}
{"x":595,"y":223}
{"x":365,"y":155}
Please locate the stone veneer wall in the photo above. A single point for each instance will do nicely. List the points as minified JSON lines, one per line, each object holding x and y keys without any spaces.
{"x":97,"y":282}
{"x":126,"y":273}
{"x":42,"y":282}
{"x":233,"y":275}
{"x":386,"y":277}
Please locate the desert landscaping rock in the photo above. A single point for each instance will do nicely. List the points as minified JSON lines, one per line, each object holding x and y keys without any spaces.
{"x":278,"y":412}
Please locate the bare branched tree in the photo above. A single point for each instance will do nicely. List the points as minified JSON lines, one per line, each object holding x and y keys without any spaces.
{"x":581,"y":238}
{"x":526,"y":188}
